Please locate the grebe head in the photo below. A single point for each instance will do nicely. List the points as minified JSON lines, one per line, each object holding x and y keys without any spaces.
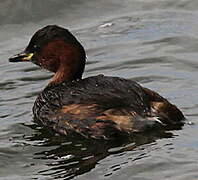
{"x":56,"y":49}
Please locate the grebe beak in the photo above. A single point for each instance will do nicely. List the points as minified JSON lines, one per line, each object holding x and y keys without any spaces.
{"x":21,"y":57}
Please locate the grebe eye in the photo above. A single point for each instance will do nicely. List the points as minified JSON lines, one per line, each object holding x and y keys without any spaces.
{"x":36,"y":47}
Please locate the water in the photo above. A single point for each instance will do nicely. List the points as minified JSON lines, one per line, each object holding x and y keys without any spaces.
{"x":153,"y":42}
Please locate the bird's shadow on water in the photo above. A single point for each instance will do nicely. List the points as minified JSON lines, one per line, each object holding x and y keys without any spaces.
{"x":74,"y":155}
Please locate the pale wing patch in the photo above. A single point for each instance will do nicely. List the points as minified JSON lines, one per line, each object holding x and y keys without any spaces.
{"x":121,"y":117}
{"x":81,"y":110}
{"x":159,"y":106}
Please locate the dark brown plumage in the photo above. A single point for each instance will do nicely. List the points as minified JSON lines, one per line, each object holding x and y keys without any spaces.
{"x":97,"y":107}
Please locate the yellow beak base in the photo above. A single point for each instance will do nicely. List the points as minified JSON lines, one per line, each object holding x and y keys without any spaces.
{"x":21,"y":57}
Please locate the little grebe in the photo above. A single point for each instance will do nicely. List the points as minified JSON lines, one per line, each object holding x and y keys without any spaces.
{"x":97,"y":107}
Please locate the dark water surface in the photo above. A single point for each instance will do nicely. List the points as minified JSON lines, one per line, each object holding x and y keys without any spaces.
{"x":154,"y":42}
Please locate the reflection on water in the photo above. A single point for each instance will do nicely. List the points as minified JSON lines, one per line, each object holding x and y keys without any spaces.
{"x":73,"y":156}
{"x":152,"y":42}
